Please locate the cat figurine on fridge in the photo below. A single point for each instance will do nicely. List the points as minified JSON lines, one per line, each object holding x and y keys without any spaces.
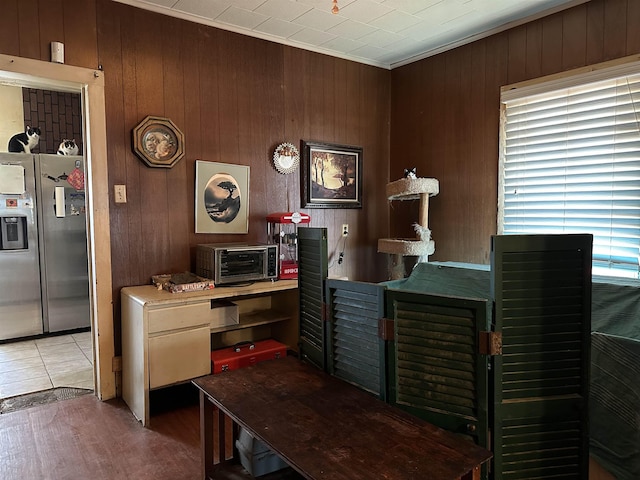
{"x":26,"y":141}
{"x":68,"y":147}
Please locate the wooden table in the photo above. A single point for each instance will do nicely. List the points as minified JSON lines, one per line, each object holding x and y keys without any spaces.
{"x":325,"y":428}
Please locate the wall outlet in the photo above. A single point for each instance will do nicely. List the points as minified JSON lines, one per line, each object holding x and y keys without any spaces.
{"x":120,"y":192}
{"x":345,"y":229}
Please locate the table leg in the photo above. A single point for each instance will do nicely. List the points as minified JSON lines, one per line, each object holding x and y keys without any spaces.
{"x":235,"y":432}
{"x":473,"y":474}
{"x":213,"y":441}
{"x":222,"y":437}
{"x":206,"y":436}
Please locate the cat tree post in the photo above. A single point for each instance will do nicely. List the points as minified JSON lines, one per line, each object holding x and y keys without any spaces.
{"x":422,"y":246}
{"x":396,"y":266}
{"x":423,"y":213}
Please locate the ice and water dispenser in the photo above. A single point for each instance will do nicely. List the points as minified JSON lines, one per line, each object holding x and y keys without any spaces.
{"x":13,"y":225}
{"x":13,"y":233}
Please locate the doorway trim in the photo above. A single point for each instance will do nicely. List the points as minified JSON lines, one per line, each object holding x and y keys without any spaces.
{"x":25,"y":72}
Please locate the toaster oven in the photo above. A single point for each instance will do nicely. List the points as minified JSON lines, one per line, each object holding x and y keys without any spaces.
{"x":226,"y":263}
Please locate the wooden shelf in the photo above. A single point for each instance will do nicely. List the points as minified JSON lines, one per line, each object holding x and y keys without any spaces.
{"x":254,"y":319}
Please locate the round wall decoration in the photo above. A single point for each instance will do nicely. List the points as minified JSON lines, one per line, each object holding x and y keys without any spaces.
{"x":286,"y":158}
{"x":158,"y":142}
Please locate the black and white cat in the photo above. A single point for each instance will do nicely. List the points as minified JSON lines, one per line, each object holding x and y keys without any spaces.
{"x":410,"y":173}
{"x":24,"y":142}
{"x":68,"y":147}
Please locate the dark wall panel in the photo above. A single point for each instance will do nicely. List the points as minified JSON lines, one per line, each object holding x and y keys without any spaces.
{"x":462,"y":149}
{"x":235,"y":99}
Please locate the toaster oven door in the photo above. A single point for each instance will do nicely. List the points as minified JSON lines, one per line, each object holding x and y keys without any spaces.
{"x":242,"y":265}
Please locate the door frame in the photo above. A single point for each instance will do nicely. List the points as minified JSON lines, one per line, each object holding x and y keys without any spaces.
{"x":89,"y":84}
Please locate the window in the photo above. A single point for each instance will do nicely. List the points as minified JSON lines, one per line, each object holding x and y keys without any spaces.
{"x":570,"y":162}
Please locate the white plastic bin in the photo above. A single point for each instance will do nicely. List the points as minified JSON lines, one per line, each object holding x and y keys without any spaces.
{"x":256,"y":457}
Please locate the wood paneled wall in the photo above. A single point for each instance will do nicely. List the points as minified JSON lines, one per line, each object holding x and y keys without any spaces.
{"x":235,"y":98}
{"x":445,"y":114}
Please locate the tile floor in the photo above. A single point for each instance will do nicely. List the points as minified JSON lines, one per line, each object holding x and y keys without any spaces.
{"x":45,"y":363}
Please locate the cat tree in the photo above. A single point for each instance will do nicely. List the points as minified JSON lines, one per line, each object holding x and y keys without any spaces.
{"x":422,"y":246}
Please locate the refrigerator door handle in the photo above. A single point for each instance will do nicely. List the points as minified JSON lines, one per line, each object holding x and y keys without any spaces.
{"x":58,"y":196}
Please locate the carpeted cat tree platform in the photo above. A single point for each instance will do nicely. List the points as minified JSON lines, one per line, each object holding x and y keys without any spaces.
{"x":422,"y":246}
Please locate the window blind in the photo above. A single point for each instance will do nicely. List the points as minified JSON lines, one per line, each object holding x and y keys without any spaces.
{"x":570,"y":163}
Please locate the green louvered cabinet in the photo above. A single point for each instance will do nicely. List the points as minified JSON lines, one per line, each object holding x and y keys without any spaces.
{"x":312,"y":272}
{"x":437,"y":368}
{"x":356,"y":349}
{"x":541,"y":285}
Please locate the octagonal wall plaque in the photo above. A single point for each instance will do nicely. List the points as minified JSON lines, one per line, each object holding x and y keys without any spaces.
{"x":158,"y":142}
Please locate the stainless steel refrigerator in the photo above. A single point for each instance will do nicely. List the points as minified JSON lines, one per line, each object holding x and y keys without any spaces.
{"x":44,"y":281}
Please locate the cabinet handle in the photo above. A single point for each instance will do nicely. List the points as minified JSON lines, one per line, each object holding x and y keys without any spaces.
{"x":238,"y":346}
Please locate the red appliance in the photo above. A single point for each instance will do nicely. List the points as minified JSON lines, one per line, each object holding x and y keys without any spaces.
{"x":246,"y":354}
{"x":282,"y":230}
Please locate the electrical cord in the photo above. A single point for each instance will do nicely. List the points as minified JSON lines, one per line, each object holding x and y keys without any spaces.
{"x":341,"y":253}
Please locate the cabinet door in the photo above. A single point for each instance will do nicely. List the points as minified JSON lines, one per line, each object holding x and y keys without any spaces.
{"x":180,"y":356}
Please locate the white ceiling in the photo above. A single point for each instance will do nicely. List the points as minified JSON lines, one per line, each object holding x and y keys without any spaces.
{"x":383,"y":33}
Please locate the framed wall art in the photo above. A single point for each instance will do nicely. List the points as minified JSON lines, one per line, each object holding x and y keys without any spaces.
{"x":222,"y":197}
{"x":286,"y":158}
{"x":158,"y":142}
{"x":331,"y":175}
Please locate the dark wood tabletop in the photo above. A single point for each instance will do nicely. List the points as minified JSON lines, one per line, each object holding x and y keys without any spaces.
{"x":326,"y":428}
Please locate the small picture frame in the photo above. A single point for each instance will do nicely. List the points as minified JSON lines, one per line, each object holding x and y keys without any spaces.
{"x":158,"y":142}
{"x":222,"y":197}
{"x":331,"y":175}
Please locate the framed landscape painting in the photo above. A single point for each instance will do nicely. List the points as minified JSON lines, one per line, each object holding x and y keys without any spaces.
{"x":331,"y":176}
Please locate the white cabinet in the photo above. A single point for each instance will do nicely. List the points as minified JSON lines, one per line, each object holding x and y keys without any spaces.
{"x":167,"y":337}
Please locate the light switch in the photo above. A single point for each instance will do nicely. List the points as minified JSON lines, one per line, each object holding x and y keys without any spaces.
{"x":120,"y":192}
